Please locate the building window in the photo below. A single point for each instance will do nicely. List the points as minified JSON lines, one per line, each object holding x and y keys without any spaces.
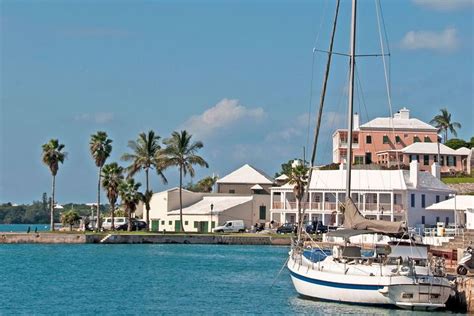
{"x":423,"y":220}
{"x":437,"y":199}
{"x":427,"y":139}
{"x":368,"y":139}
{"x":232,"y":191}
{"x":412,"y":198}
{"x":437,"y":219}
{"x":385,"y":139}
{"x":442,"y":161}
{"x":196,"y":224}
{"x":435,"y":158}
{"x":186,"y":223}
{"x":423,"y":200}
{"x":454,"y":161}
{"x":263,"y":212}
{"x":447,"y":221}
{"x":359,"y":160}
{"x":170,"y":223}
{"x":356,"y":139}
{"x":416,"y":139}
{"x":426,"y":160}
{"x":398,"y":139}
{"x":162,"y":222}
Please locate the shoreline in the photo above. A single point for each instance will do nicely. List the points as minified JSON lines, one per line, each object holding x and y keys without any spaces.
{"x":124,"y":238}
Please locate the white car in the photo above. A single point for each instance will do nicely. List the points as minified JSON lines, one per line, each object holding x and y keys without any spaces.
{"x":236,"y":226}
{"x":107,"y":223}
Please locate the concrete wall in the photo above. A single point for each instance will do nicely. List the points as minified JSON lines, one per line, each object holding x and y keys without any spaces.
{"x":240,"y":188}
{"x":42,"y":238}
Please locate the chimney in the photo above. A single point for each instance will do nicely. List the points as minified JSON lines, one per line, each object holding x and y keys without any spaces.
{"x":436,"y":170}
{"x":414,"y":173}
{"x":341,"y":166}
{"x":404,"y":113}
{"x":356,"y":122}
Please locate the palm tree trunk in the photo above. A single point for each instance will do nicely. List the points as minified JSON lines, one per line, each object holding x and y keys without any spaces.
{"x":147,"y":211}
{"x":52,"y":203}
{"x":181,"y":224}
{"x":129,"y":214}
{"x":112,"y":209}
{"x":445,"y":135}
{"x":98,"y":201}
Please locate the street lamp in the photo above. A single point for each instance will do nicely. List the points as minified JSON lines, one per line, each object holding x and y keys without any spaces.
{"x":212,"y":207}
{"x":455,"y":214}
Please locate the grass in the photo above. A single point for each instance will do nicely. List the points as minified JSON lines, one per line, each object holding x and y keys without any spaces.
{"x":456,"y":180}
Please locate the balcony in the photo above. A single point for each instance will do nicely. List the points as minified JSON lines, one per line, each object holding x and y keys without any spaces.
{"x":370,"y":208}
{"x":343,"y":144}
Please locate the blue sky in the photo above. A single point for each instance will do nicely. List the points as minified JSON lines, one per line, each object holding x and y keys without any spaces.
{"x":237,"y":74}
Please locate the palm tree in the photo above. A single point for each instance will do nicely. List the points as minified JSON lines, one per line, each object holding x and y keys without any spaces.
{"x":181,"y":152}
{"x":443,"y":123}
{"x":298,"y":177}
{"x":100,"y":147}
{"x":146,"y":155}
{"x":130,"y":196}
{"x":70,"y":218}
{"x":112,"y":176}
{"x":206,"y":184}
{"x":51,"y":157}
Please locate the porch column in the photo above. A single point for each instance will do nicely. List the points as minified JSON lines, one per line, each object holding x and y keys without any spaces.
{"x":378,"y":205}
{"x":271,"y":201}
{"x":391,"y":207}
{"x":337,"y":208}
{"x":324,"y":201}
{"x":310,"y":200}
{"x":283,"y":217}
{"x":284,"y":200}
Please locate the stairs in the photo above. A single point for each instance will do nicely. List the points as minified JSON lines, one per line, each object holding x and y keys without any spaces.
{"x":464,"y":239}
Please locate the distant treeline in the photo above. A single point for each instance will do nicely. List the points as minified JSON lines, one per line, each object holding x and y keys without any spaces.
{"x":37,"y":212}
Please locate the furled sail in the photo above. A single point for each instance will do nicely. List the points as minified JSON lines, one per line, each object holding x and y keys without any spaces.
{"x":353,"y":219}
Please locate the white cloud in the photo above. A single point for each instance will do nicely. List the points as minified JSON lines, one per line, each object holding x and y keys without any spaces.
{"x":225,"y":113}
{"x":445,"y":5}
{"x":445,"y":41}
{"x":99,"y":118}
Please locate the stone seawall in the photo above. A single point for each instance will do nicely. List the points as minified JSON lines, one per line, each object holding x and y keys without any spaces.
{"x":59,"y":238}
{"x":42,"y":238}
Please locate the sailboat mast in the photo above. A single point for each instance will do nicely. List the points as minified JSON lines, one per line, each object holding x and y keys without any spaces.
{"x":350,"y":116}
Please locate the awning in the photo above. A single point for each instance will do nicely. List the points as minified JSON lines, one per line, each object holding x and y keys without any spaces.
{"x":459,"y":202}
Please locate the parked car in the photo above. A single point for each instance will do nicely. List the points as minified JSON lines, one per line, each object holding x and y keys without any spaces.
{"x":235,"y":226}
{"x":316,"y":227}
{"x":136,"y":225}
{"x":287,"y":228}
{"x":118,"y":221}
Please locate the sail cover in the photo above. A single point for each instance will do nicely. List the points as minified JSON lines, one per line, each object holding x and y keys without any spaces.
{"x":353,"y":219}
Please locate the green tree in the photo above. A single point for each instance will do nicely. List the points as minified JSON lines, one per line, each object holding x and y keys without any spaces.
{"x":52,"y":156}
{"x":146,"y":154}
{"x":298,"y":177}
{"x":181,"y":152}
{"x":456,"y":143}
{"x":100,"y":147}
{"x":130,"y":196}
{"x":204,"y":185}
{"x":443,"y":123}
{"x":286,"y":167}
{"x":112,"y":176}
{"x":70,"y":218}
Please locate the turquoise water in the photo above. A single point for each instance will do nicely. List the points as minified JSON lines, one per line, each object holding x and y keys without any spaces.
{"x":154,"y":279}
{"x":23,"y":228}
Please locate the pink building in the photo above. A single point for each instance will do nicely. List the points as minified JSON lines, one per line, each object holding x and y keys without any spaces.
{"x":384,"y":134}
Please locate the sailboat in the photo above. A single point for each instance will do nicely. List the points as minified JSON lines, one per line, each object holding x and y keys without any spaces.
{"x":399,"y":274}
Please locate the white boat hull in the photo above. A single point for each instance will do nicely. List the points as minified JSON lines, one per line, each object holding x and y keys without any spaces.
{"x":402,"y":291}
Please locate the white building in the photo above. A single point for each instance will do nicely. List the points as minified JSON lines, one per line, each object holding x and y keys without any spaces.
{"x":462,"y":205}
{"x":396,"y":195}
{"x":243,"y":194}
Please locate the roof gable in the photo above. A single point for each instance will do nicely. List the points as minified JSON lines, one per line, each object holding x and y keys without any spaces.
{"x":247,"y":175}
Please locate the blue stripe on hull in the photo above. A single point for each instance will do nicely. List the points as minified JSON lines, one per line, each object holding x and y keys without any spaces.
{"x":337,"y":285}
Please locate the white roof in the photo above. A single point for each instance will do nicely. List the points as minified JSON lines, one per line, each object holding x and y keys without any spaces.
{"x":463,"y":151}
{"x":256,"y":187}
{"x":398,"y":124}
{"x":463,"y":202}
{"x":283,"y":177}
{"x":247,"y":174}
{"x":375,"y":180}
{"x":220,"y":204}
{"x":429,"y":148}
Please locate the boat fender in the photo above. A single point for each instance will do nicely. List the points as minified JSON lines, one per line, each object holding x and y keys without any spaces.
{"x":384,"y":290}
